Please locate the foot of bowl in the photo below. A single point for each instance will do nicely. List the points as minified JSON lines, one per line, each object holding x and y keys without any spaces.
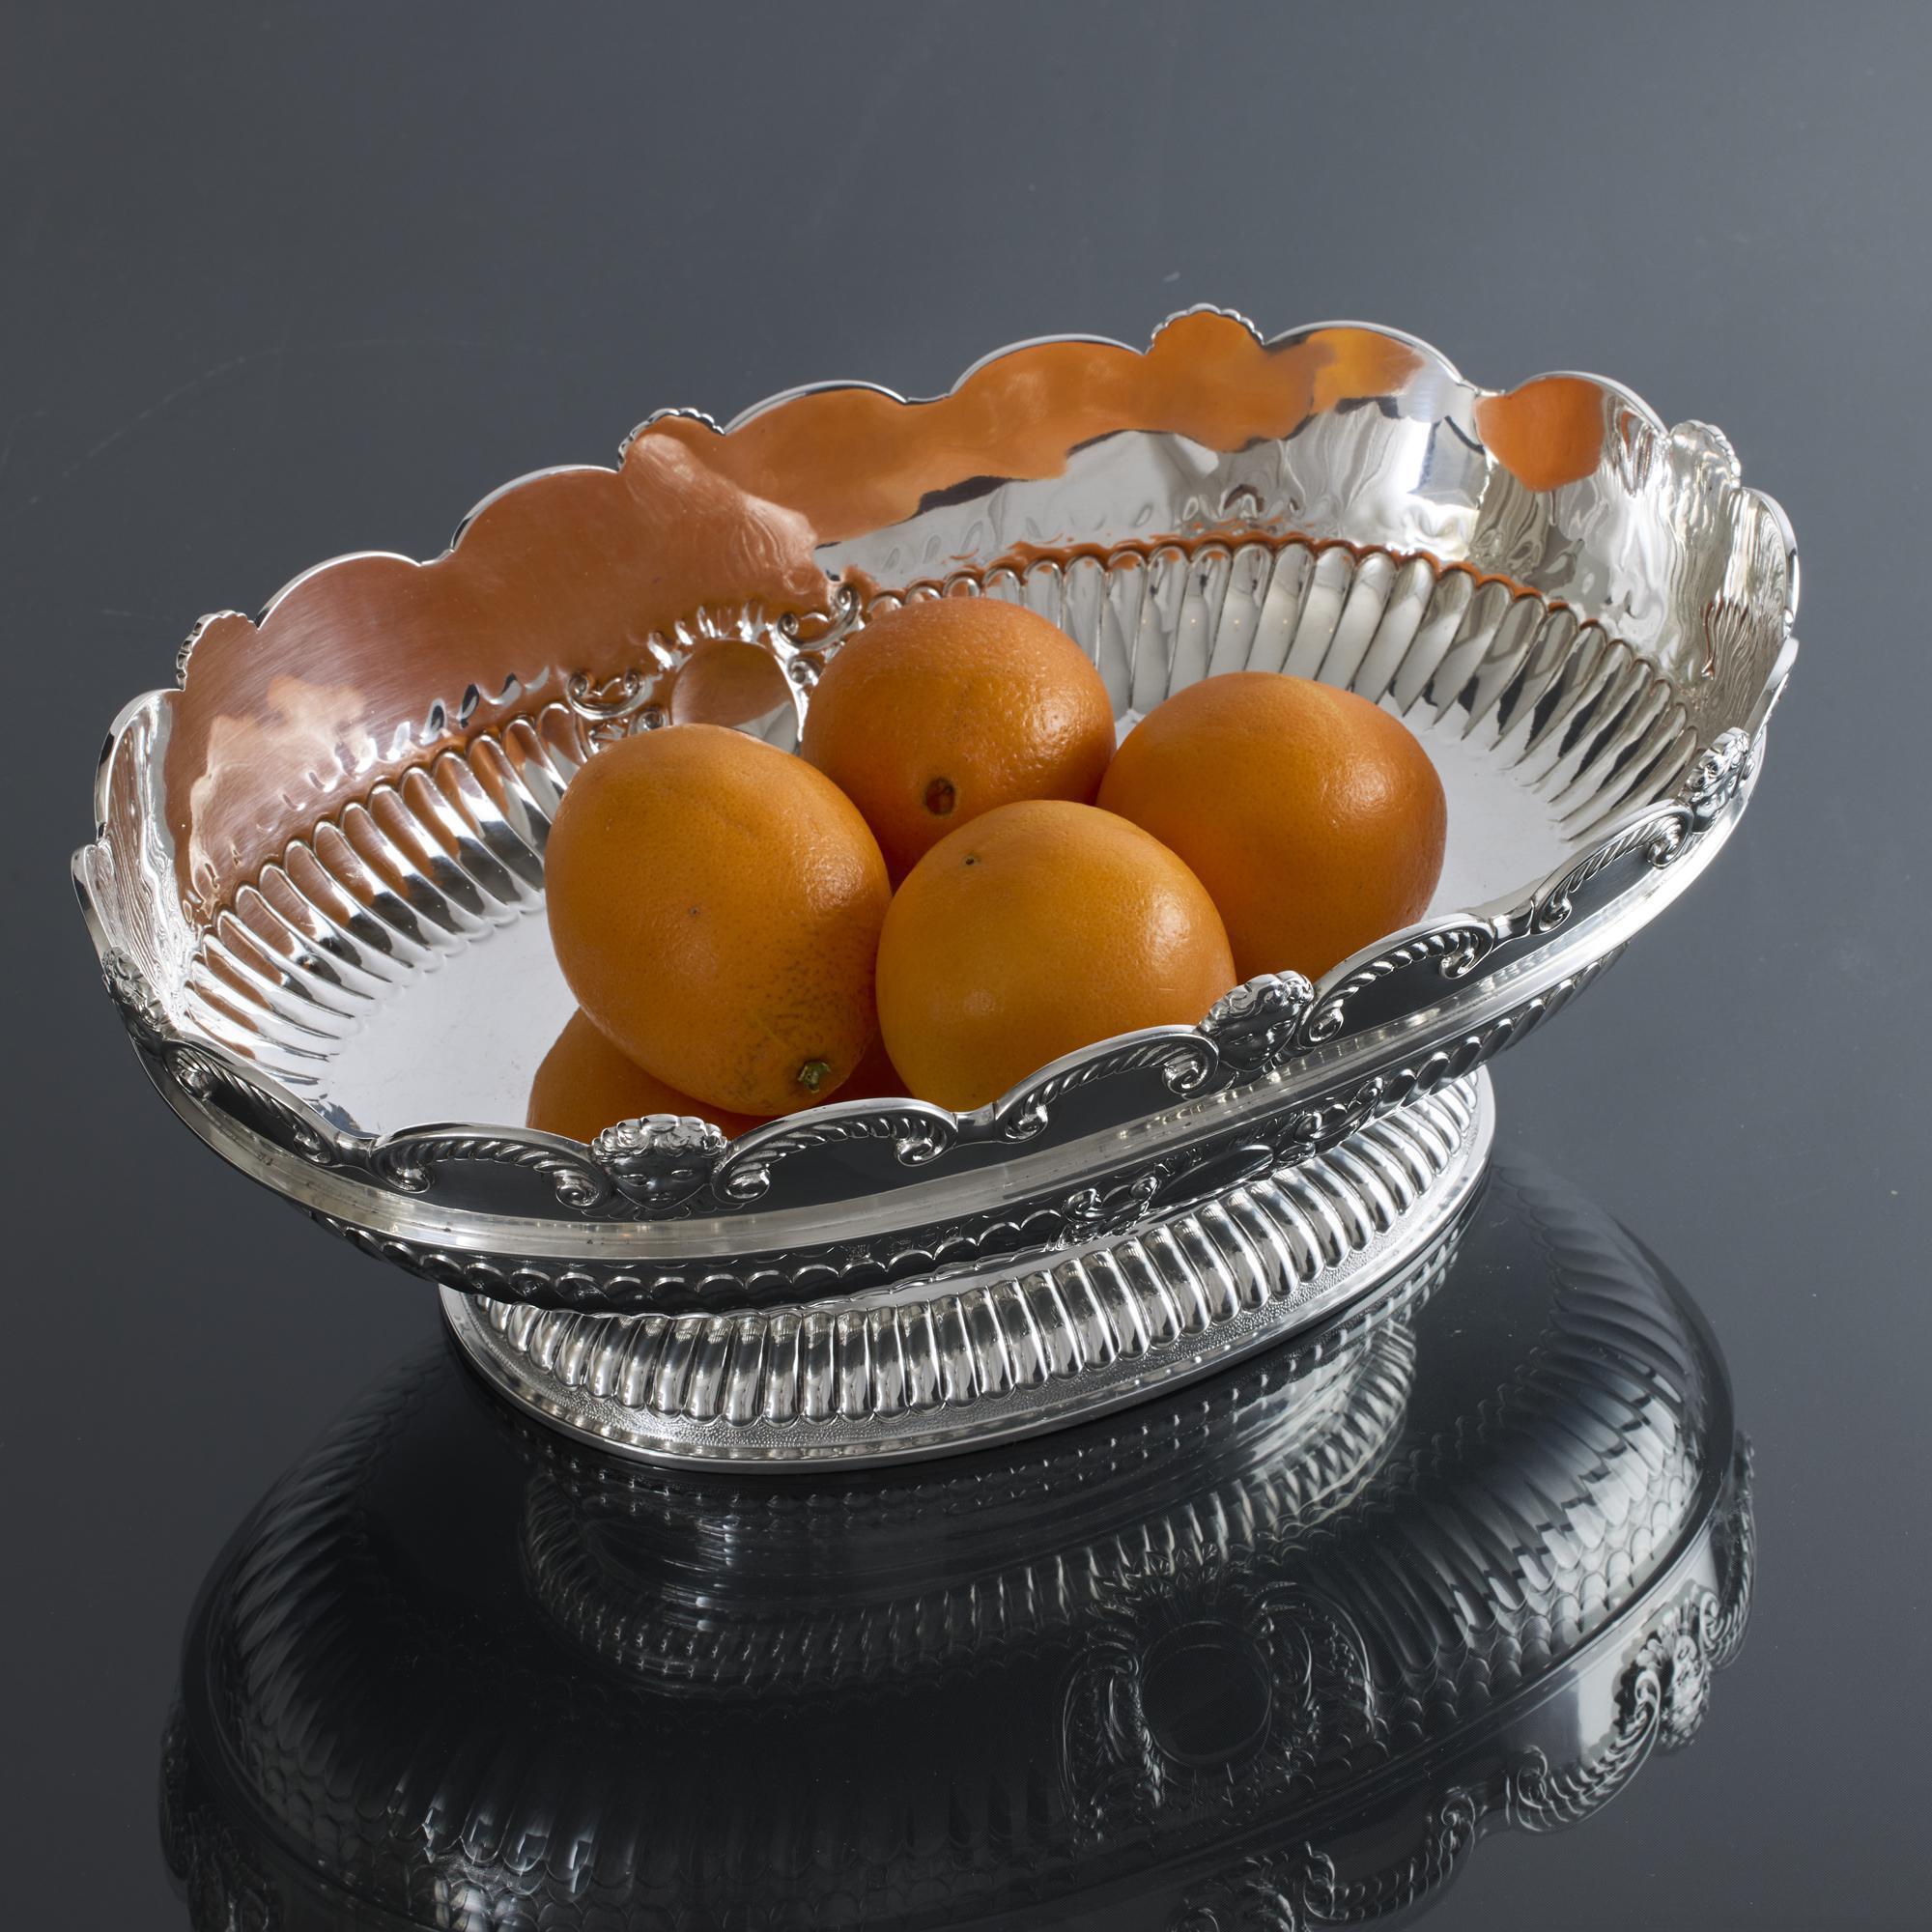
{"x":974,"y":1356}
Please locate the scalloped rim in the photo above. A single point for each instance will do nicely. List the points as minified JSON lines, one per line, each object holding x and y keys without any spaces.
{"x":979,"y":1123}
{"x":779,"y":398}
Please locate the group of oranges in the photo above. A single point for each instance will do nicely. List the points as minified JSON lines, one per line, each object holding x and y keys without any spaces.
{"x":959,"y":878}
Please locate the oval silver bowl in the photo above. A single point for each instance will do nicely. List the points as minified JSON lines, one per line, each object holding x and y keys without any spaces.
{"x":317,"y":880}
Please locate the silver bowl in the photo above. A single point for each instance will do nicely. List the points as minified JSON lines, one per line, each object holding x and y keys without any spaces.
{"x":317,"y":883}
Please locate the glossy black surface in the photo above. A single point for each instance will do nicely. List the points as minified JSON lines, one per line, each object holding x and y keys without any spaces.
{"x":1308,"y":1632}
{"x":276,"y":284}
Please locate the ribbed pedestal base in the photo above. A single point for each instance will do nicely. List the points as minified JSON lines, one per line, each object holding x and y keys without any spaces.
{"x":959,"y":1360}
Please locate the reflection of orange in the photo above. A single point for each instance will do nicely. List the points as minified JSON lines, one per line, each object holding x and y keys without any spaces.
{"x":942,"y":709}
{"x":715,"y":906}
{"x":854,"y":460}
{"x":1549,"y":433}
{"x":725,"y":681}
{"x":564,"y":572}
{"x":1040,"y":928}
{"x":1312,"y":816}
{"x":585,"y":1085}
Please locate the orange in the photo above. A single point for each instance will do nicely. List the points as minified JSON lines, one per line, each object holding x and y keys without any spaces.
{"x":1314,"y":818}
{"x":943,"y":709}
{"x":715,"y":905}
{"x":585,"y":1085}
{"x":1040,"y":927}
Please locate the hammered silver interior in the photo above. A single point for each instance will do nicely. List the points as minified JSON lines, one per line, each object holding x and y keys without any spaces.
{"x":395,"y":968}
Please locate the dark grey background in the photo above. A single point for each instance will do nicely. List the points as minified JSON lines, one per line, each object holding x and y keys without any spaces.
{"x":277,"y":283}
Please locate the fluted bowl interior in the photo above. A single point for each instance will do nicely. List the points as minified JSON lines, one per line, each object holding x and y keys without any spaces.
{"x":1527,"y":783}
{"x":316,"y":884}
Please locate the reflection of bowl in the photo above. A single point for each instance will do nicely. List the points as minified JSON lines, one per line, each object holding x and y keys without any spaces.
{"x":740,"y":1588}
{"x":1223,"y":1655}
{"x":317,"y":882}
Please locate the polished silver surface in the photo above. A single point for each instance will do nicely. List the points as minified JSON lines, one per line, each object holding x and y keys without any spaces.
{"x":977,"y":1356}
{"x":316,"y":884}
